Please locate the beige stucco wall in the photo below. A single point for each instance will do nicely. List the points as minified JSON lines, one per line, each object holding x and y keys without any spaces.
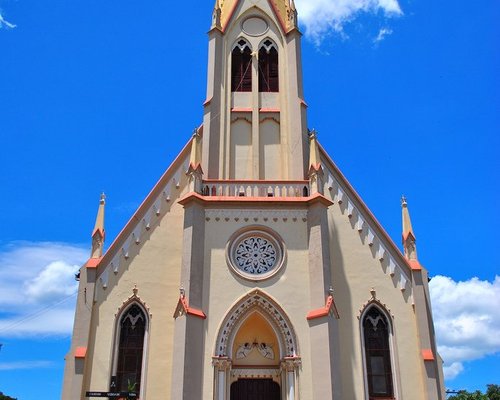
{"x":356,"y":271}
{"x":154,"y":266}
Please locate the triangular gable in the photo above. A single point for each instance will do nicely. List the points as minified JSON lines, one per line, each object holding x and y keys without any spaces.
{"x":279,"y":7}
{"x":386,"y":250}
{"x":150,"y":208}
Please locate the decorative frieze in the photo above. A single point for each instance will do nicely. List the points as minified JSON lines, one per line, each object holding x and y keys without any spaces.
{"x":255,"y":373}
{"x":226,"y":215}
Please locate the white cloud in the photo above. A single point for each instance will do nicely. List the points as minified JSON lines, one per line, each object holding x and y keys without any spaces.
{"x":466,"y":320}
{"x":5,"y":23}
{"x":323,"y":17}
{"x":38,"y":288}
{"x":382,"y":34}
{"x":10,"y":366}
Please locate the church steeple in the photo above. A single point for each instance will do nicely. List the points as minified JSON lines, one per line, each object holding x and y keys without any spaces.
{"x":255,"y":124}
{"x":98,"y":234}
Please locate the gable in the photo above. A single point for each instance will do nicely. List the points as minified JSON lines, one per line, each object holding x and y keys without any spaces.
{"x":376,"y":239}
{"x":170,"y":185}
{"x":281,"y":9}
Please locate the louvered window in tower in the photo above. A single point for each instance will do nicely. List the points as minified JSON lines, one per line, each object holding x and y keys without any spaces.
{"x":378,"y":355}
{"x":130,"y":350}
{"x":241,"y":70}
{"x":268,"y":68}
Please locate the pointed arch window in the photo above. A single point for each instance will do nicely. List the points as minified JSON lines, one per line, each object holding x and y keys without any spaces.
{"x":268,"y":67}
{"x":241,"y":67}
{"x":376,"y":331}
{"x":132,"y":330}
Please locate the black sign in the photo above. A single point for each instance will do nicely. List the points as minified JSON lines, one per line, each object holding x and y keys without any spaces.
{"x":113,"y":395}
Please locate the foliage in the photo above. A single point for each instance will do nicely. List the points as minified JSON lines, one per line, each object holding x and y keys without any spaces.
{"x":5,"y":397}
{"x":493,"y":392}
{"x":464,"y":395}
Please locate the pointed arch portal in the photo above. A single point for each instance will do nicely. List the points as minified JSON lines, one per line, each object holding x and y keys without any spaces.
{"x":256,"y":352}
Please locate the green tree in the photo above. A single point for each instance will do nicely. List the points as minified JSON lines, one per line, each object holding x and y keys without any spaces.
{"x":5,"y":397}
{"x":493,"y":392}
{"x":464,"y":395}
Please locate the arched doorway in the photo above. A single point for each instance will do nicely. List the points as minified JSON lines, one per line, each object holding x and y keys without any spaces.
{"x":255,"y":389}
{"x":256,"y":354}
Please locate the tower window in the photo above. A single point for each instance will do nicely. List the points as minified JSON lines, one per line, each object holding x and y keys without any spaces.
{"x":130,"y":351}
{"x":241,"y":74}
{"x":268,"y":67}
{"x":378,"y":355}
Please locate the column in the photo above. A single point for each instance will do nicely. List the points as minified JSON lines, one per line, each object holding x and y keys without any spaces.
{"x":289,"y":371}
{"x":222,"y":366}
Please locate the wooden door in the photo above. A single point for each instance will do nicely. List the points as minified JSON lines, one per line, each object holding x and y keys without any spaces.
{"x":255,"y":389}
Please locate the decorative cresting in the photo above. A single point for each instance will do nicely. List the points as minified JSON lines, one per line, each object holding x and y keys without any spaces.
{"x":258,"y":300}
{"x":255,"y":253}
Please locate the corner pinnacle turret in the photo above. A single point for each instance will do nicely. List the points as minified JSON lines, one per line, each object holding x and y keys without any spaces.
{"x":98,"y":234}
{"x":409,"y":239}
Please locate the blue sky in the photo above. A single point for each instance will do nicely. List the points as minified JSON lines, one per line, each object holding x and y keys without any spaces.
{"x":102,"y":95}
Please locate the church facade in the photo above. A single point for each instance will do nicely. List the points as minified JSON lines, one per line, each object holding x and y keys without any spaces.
{"x":253,"y":270}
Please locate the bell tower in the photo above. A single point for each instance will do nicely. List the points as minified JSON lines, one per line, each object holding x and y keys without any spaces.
{"x":255,"y":124}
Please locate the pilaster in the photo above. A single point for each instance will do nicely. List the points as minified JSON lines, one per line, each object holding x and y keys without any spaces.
{"x":212,"y":134}
{"x":324,"y":332}
{"x":188,"y":357}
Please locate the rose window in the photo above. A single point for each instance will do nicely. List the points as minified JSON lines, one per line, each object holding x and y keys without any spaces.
{"x":255,"y":254}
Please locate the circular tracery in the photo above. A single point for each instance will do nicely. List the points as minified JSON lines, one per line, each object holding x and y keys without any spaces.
{"x":255,"y":254}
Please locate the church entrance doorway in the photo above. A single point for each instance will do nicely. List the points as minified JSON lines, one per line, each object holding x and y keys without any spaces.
{"x":255,"y":389}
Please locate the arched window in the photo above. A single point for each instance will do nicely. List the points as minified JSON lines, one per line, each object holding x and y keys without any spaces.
{"x":241,"y":74}
{"x":268,"y":67}
{"x":132,"y":329}
{"x":376,"y":332}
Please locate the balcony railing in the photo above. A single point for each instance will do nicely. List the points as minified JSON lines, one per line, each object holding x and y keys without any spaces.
{"x":234,"y":188}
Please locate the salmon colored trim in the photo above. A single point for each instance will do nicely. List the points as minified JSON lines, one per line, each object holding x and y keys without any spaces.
{"x":80,"y":352}
{"x":315,"y":167}
{"x":302,"y":101}
{"x":325,"y":311}
{"x":363,"y":205}
{"x":207,"y":102}
{"x":269,"y":110}
{"x":278,"y":16}
{"x":230,"y":17}
{"x":415,"y":265}
{"x":100,"y":231}
{"x":241,"y":109}
{"x":236,"y":4}
{"x":188,"y":310}
{"x":120,"y":238}
{"x":93,"y":263}
{"x":406,"y":235}
{"x":195,"y":167}
{"x":428,"y":355}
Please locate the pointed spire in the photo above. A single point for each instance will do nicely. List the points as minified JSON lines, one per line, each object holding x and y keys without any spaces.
{"x":98,"y":234}
{"x":315,"y":168}
{"x":195,"y":159}
{"x":409,"y":239}
{"x":217,"y":16}
{"x":195,"y":172}
{"x":294,"y":20}
{"x":314,"y":157}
